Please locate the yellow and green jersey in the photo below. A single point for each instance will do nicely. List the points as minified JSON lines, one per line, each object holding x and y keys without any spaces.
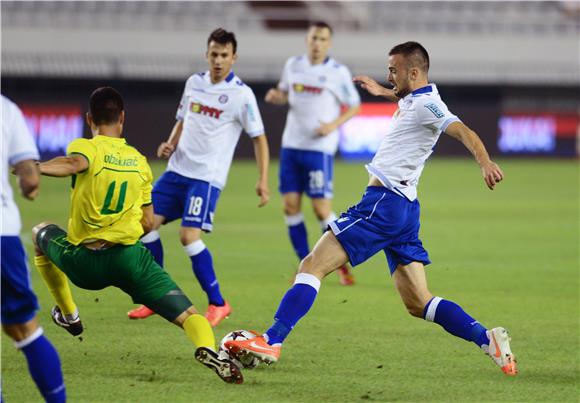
{"x":107,"y":198}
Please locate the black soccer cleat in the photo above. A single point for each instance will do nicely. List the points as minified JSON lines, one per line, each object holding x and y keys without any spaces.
{"x":224,"y":368}
{"x":75,"y":328}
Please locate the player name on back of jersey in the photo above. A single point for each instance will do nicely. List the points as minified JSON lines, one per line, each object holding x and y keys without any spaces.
{"x":123,"y":162}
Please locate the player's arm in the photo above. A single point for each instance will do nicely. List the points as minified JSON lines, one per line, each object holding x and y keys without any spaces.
{"x":276,"y":96}
{"x":374,"y":88}
{"x":262,"y":154}
{"x":492,"y":173}
{"x":28,"y":178}
{"x":327,"y":128}
{"x":167,"y":148}
{"x":147,"y":221}
{"x":64,"y":166}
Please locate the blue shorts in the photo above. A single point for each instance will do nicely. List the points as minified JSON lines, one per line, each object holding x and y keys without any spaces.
{"x":194,"y":201}
{"x":306,"y":171}
{"x":382,"y":220}
{"x":19,"y":304}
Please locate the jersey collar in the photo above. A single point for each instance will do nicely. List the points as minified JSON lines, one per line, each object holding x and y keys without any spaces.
{"x":423,"y":90}
{"x":228,"y":78}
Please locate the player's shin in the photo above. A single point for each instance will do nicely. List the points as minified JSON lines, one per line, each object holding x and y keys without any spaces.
{"x":199,"y":331}
{"x":456,"y":321}
{"x":295,"y":304}
{"x":58,"y":286}
{"x":202,"y":265}
{"x":44,"y":366}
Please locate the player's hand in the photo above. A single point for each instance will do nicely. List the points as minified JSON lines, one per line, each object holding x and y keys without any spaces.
{"x":263,"y":192}
{"x":165,"y":150}
{"x":368,"y":84}
{"x":275,"y":96}
{"x":492,"y":174}
{"x":325,"y":129}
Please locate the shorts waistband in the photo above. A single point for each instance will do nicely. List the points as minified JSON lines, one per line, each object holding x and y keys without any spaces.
{"x":98,"y":244}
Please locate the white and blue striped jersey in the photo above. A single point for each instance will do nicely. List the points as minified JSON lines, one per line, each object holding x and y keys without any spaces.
{"x":213,"y":117}
{"x":315,"y":95}
{"x":17,"y":145}
{"x":414,"y":129}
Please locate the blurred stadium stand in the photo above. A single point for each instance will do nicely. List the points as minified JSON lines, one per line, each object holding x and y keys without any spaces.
{"x":510,"y":69}
{"x":471,"y":42}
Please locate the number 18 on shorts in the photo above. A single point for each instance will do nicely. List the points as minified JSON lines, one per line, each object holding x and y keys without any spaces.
{"x":192,"y":200}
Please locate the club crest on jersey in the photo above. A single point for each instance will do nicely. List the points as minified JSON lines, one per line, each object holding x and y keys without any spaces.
{"x":223,"y":99}
{"x":202,"y":109}
{"x":308,"y":89}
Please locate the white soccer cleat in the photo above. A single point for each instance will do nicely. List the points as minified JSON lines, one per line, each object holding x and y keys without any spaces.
{"x":500,"y":352}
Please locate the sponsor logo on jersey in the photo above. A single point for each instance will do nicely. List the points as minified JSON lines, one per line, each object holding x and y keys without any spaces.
{"x":202,"y":109}
{"x":435,"y":110}
{"x":308,"y":89}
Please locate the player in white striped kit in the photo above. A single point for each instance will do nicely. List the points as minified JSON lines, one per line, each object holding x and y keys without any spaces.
{"x":321,"y":96}
{"x":387,"y":217}
{"x":214,"y":109}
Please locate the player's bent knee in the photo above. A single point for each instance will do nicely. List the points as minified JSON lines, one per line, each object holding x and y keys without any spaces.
{"x":189,"y":235}
{"x":21,"y":331}
{"x":36,"y":229}
{"x":310,"y":265}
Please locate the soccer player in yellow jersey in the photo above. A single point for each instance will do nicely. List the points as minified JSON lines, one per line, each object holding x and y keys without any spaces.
{"x":110,"y":210}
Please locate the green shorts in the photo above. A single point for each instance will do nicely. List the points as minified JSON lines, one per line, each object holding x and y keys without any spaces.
{"x":128,"y":267}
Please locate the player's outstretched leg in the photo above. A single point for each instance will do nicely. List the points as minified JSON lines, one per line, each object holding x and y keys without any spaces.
{"x":198,"y":330}
{"x":411,"y":283}
{"x":157,"y":290}
{"x":326,"y":256}
{"x":294,"y":305}
{"x":455,"y":320}
{"x":65,"y":314}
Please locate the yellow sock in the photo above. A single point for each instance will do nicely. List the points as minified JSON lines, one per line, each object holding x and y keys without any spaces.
{"x":199,"y":331}
{"x":57,"y":283}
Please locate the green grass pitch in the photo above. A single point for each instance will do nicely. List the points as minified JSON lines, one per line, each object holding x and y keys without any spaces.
{"x":509,"y":257}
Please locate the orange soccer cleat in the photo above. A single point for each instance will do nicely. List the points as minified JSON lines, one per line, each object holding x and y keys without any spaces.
{"x":140,"y":312}
{"x":500,"y":352}
{"x":257,"y":347}
{"x":345,"y":275}
{"x":215,"y":314}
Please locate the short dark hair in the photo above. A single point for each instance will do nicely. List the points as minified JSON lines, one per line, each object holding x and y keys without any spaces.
{"x":415,"y":54}
{"x":223,"y":37}
{"x":105,"y":106}
{"x":321,"y":24}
